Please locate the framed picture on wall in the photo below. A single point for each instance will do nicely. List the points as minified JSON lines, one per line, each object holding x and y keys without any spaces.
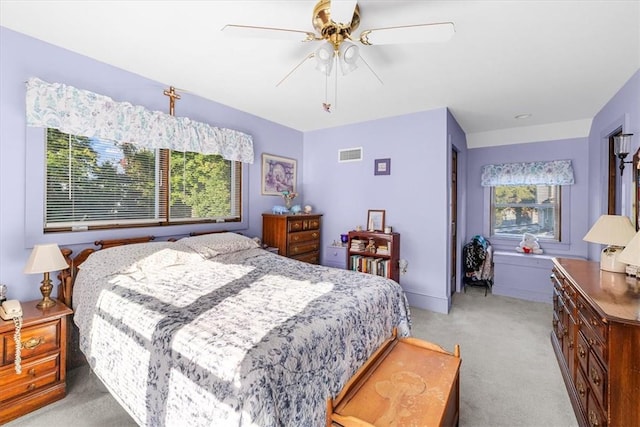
{"x":278,"y":175}
{"x":375,"y":220}
{"x":382,"y":167}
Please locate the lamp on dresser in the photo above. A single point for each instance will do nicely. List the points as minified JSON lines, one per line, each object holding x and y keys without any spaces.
{"x":45,"y":258}
{"x":631,"y":255}
{"x":615,"y":231}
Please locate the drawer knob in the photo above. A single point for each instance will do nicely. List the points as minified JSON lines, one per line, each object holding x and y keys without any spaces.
{"x":32,"y":343}
{"x":581,"y":351}
{"x":315,"y":235}
{"x":595,"y":377}
{"x":581,"y":390}
{"x":32,"y":372}
{"x":31,"y":387}
{"x":593,"y":419}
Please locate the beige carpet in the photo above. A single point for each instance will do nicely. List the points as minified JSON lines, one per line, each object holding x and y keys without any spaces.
{"x":509,"y":374}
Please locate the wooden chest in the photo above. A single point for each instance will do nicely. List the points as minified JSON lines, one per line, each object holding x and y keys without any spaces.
{"x":407,"y":382}
{"x":44,"y":347}
{"x":295,"y":236}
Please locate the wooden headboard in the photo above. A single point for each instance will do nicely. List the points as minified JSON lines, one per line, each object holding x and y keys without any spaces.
{"x":67,"y":276}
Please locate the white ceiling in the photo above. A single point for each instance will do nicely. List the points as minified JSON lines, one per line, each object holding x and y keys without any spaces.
{"x":560,"y":61}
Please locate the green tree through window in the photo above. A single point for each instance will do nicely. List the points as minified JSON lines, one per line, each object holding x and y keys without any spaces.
{"x":96,"y":183}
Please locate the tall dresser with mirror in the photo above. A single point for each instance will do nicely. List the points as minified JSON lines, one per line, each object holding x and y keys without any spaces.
{"x":596,"y":339}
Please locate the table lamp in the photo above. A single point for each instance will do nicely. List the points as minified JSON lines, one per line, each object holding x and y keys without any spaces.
{"x":44,"y":259}
{"x":631,"y":254}
{"x":616,"y":231}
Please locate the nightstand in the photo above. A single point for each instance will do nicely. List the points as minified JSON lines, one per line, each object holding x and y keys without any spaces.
{"x":44,"y":352}
{"x":336,"y":257}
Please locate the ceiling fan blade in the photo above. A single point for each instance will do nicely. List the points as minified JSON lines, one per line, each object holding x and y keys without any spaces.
{"x":309,"y":56}
{"x":269,"y":33}
{"x":420,"y":33}
{"x":342,"y":11}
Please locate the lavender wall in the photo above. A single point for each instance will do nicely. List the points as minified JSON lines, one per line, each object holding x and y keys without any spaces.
{"x":23,"y":57}
{"x":621,"y":112}
{"x":415,"y":196}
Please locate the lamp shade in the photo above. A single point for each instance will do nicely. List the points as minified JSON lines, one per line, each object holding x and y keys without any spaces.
{"x":631,"y":253}
{"x":614,"y":230}
{"x":45,"y":258}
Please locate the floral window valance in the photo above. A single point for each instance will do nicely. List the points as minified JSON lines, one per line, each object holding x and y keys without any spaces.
{"x":81,"y":112}
{"x":556,"y":172}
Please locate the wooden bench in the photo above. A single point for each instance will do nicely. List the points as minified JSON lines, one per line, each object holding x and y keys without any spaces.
{"x":407,"y":381}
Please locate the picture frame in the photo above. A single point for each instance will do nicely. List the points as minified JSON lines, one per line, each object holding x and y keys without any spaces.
{"x":382,"y":167}
{"x":375,"y":220}
{"x":278,"y":174}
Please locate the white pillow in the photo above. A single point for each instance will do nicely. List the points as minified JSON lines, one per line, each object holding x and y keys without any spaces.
{"x":138,"y":257}
{"x":210,"y":245}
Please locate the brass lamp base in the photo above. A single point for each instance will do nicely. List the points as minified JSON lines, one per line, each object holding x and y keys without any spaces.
{"x":46,"y":289}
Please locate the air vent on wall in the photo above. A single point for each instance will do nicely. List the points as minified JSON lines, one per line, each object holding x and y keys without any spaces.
{"x":350,"y":155}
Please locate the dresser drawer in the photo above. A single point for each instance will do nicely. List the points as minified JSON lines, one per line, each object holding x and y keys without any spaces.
{"x":582,"y":388}
{"x":35,"y":340}
{"x":597,"y":378}
{"x":592,"y":338}
{"x":310,"y":257}
{"x":582,"y":351}
{"x":595,"y":415}
{"x":592,"y":319}
{"x":304,"y":236}
{"x":35,"y":374}
{"x":303,"y":247}
{"x":301,"y":224}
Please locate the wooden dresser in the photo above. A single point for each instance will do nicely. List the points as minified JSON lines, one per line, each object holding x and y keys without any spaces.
{"x":44,"y":349}
{"x":596,"y":338}
{"x":295,"y":236}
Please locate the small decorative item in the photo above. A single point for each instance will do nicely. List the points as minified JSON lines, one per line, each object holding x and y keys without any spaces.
{"x":279,"y":210}
{"x":296,"y":209}
{"x":371,"y":246}
{"x":382,"y":167}
{"x":288,"y":196}
{"x":278,"y":175}
{"x":358,"y":228}
{"x":387,"y":229}
{"x":375,"y":220}
{"x":344,"y":238}
{"x":529,"y":244}
{"x":308,"y":209}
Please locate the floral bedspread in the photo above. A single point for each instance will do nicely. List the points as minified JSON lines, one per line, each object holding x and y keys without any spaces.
{"x":200,"y":334}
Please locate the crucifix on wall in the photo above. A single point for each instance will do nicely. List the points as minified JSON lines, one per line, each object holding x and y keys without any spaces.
{"x":171,"y":93}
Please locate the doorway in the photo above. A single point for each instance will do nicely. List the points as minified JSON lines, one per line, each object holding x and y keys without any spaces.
{"x":454,"y":220}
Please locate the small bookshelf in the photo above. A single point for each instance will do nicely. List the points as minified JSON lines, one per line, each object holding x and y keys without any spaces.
{"x":374,"y":252}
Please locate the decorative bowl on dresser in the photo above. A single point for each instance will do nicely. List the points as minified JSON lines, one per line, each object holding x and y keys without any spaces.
{"x":295,"y":236}
{"x":44,"y":350}
{"x":596,"y":339}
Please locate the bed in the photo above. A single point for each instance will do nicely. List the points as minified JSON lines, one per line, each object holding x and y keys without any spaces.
{"x":213,"y":330}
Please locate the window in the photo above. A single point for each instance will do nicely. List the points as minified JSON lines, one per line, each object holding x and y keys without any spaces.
{"x":93,"y":183}
{"x":518,"y":209}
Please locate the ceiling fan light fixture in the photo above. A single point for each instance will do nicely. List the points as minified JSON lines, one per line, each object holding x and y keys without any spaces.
{"x":349,"y":54}
{"x":324,"y":58}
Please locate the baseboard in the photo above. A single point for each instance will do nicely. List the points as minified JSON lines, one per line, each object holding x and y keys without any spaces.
{"x":522,"y":294}
{"x":428,"y":302}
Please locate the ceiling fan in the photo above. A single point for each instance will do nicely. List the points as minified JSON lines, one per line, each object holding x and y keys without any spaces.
{"x":335,"y":23}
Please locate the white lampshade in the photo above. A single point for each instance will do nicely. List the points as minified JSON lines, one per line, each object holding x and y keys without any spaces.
{"x":45,"y":258}
{"x":631,"y":253}
{"x":348,"y":57}
{"x":324,"y":58}
{"x":616,"y":231}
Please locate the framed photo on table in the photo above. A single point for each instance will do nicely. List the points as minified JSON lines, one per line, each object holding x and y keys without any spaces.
{"x":375,"y":220}
{"x":278,"y":175}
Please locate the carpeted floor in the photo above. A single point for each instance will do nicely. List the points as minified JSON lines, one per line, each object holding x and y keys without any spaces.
{"x":509,"y":375}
